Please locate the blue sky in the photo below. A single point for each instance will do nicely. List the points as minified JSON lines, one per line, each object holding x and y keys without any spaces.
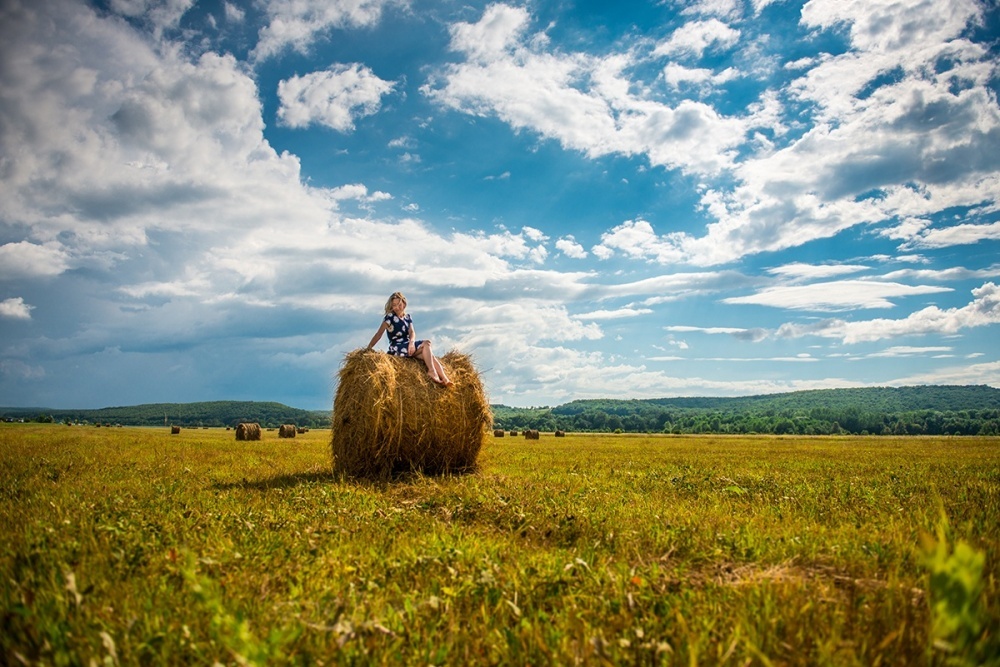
{"x":212,"y":200}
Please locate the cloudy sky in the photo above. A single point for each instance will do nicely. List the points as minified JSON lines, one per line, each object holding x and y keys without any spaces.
{"x":212,"y":200}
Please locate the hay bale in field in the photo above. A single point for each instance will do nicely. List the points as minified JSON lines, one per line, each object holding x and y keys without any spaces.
{"x":302,"y":429}
{"x":286,"y":431}
{"x":174,"y":430}
{"x":560,"y":434}
{"x":389,"y":417}
{"x":513,"y":434}
{"x":531,"y":435}
{"x":248,"y":431}
{"x":498,"y":433}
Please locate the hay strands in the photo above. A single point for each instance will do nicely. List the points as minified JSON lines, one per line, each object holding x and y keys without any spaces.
{"x":390,"y":418}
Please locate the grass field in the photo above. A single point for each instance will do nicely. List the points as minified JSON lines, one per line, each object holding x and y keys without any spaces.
{"x":134,"y":546}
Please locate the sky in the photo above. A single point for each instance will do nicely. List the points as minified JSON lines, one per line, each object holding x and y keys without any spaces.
{"x":593,"y":199}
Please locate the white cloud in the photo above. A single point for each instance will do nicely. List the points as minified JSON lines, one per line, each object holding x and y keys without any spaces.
{"x":533,"y":234}
{"x":161,"y":14}
{"x":617,"y":314}
{"x":677,"y":75}
{"x":909,"y":351}
{"x":696,"y":37}
{"x":951,"y":273}
{"x":569,"y":247}
{"x":296,"y":23}
{"x":335,"y":97}
{"x":944,"y":237}
{"x":16,"y":309}
{"x":834,"y":295}
{"x":752,"y":335}
{"x":32,"y":260}
{"x":730,"y":9}
{"x":799,"y":270}
{"x":497,"y":32}
{"x":974,"y":374}
{"x":888,"y":135}
{"x":584,"y":102}
{"x":983,"y":310}
{"x":359,"y":192}
{"x":233,"y":13}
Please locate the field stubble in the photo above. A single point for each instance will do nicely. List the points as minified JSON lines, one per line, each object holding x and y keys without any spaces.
{"x":135,"y":546}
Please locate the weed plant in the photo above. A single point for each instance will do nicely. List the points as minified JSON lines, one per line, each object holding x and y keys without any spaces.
{"x":134,"y":546}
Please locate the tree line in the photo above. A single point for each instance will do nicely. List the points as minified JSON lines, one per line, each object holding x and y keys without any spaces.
{"x":210,"y":413}
{"x":930,"y":410}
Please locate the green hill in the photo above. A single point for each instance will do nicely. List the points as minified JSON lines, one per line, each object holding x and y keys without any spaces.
{"x":933,"y":410}
{"x":212,"y":413}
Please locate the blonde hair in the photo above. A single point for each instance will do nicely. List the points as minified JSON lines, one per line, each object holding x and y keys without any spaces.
{"x":388,"y":302}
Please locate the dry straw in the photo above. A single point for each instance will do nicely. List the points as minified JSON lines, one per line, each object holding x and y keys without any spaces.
{"x":390,"y":418}
{"x":247,"y":431}
{"x":286,"y":431}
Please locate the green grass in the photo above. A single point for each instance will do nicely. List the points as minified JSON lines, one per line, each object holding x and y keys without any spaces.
{"x":132,"y":546}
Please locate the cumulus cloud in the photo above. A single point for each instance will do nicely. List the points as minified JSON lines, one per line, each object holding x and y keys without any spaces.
{"x":902,"y":126}
{"x":16,"y":309}
{"x":617,"y":314}
{"x":944,"y":237}
{"x":583,"y":102}
{"x":335,"y":97}
{"x":834,"y":295}
{"x":25,"y":259}
{"x":696,"y":37}
{"x":569,"y":247}
{"x":679,"y":75}
{"x":800,"y":271}
{"x":983,"y":310}
{"x":161,"y":14}
{"x":296,"y":23}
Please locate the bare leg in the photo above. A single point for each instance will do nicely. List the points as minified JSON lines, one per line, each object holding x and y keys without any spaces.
{"x":435,"y":370}
{"x":445,"y":380}
{"x":425,"y":353}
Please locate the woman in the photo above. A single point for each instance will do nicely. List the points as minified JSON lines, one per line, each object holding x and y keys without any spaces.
{"x":402,"y":339}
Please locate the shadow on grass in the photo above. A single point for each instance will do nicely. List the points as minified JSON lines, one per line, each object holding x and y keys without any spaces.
{"x":330,"y":477}
{"x":281,"y":481}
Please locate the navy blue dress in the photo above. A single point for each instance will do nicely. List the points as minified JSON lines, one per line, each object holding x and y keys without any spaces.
{"x":398,"y":330}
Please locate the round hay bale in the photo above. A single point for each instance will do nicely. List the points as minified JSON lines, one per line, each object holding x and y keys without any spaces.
{"x":174,"y":430}
{"x":286,"y":431}
{"x":513,"y":434}
{"x":247,"y":431}
{"x":560,"y":434}
{"x":531,"y":435}
{"x":389,"y":417}
{"x":498,"y":433}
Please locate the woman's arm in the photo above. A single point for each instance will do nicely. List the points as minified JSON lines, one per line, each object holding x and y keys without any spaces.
{"x":378,"y":334}
{"x":411,"y":348}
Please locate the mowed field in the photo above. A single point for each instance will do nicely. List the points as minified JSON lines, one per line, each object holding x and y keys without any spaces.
{"x":135,"y":546}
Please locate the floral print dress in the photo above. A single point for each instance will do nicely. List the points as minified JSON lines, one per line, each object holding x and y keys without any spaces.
{"x":398,"y":330}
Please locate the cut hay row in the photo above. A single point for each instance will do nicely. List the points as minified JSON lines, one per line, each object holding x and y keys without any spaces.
{"x":389,"y":417}
{"x":287,"y":431}
{"x":247,"y":431}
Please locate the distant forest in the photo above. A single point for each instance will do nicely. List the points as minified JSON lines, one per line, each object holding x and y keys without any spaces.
{"x":924,"y":410}
{"x":214,"y":413}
